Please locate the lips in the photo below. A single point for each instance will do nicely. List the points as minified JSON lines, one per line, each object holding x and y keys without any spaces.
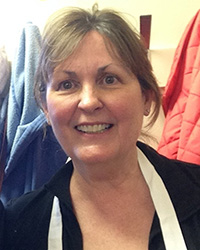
{"x":96,"y":128}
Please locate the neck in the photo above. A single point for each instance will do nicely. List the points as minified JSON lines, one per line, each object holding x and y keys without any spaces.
{"x":109,"y":173}
{"x":106,"y":183}
{"x":111,"y":194}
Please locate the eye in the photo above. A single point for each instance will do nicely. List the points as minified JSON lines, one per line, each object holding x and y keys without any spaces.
{"x":109,"y":79}
{"x":67,"y":85}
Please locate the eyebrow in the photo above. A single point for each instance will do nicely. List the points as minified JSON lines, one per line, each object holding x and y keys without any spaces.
{"x":70,"y":73}
{"x":101,"y":69}
{"x":73,"y":73}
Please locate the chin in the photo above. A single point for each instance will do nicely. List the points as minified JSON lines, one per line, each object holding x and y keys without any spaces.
{"x":94,"y":159}
{"x":88,"y":157}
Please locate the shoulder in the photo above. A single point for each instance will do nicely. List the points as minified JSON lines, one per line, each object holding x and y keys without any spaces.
{"x":27,"y":220}
{"x":165,"y":166}
{"x":176,"y":175}
{"x":181,"y":179}
{"x":28,"y":202}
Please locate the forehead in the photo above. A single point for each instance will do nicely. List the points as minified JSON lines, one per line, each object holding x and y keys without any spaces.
{"x":93,"y":50}
{"x":94,"y":42}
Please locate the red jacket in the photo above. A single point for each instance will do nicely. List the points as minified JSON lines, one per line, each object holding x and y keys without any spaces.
{"x":181,"y":99}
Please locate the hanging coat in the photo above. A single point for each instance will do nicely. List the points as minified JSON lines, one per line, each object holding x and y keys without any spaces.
{"x":181,"y":100}
{"x":32,"y":158}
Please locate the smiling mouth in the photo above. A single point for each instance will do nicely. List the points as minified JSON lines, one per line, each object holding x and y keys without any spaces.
{"x":97,"y":128}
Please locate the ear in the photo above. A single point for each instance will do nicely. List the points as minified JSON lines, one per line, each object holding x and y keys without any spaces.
{"x":148,"y":98}
{"x":47,"y":118}
{"x":45,"y":110}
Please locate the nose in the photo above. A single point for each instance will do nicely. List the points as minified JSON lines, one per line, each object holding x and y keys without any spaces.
{"x":90,"y":99}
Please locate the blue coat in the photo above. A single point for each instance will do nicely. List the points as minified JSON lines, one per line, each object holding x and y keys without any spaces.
{"x":31,"y":158}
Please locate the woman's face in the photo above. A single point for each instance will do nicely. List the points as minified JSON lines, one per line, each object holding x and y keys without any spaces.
{"x":95,"y":105}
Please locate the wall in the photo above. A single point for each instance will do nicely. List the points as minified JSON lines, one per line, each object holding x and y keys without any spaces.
{"x":169,"y":19}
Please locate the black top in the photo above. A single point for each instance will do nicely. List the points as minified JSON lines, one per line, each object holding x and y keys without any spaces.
{"x":27,"y":218}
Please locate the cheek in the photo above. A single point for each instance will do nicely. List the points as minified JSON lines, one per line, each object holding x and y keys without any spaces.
{"x":130,"y":106}
{"x":58,"y":110}
{"x":130,"y":116}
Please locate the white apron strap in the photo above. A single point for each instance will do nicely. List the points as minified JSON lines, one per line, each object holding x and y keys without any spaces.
{"x":170,"y":227}
{"x":55,"y":228}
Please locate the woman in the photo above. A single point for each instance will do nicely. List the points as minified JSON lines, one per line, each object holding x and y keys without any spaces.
{"x":95,"y":84}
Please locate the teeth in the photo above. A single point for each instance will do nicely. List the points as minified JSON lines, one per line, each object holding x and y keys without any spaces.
{"x":98,"y":128}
